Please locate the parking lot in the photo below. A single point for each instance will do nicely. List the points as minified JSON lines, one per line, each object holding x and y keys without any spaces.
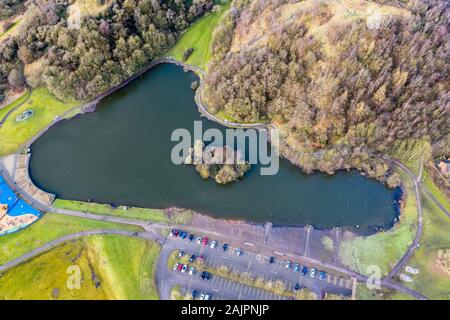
{"x":256,"y":266}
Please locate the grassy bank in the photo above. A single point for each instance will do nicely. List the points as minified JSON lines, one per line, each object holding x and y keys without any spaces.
{"x":112,"y":267}
{"x":199,"y":37}
{"x":49,"y":227}
{"x":106,"y":209}
{"x":15,"y":103}
{"x":155,"y":215}
{"x":45,"y":106}
{"x":364,"y":293}
{"x":386,"y":248}
{"x":434,"y":279}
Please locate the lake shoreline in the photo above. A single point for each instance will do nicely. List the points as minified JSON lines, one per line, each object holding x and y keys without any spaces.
{"x":92,"y":105}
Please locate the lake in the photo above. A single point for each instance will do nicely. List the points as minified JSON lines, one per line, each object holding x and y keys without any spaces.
{"x":121,"y":155}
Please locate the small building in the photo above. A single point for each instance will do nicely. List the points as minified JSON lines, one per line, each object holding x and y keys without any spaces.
{"x":444,"y":167}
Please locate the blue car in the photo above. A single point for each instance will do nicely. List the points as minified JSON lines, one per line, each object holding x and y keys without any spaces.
{"x":194,"y":294}
{"x":304,"y":271}
{"x":296,"y":267}
{"x":322,"y":275}
{"x":225,"y":247}
{"x":183,"y":235}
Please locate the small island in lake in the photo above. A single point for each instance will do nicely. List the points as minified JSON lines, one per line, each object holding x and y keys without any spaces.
{"x":223,"y":164}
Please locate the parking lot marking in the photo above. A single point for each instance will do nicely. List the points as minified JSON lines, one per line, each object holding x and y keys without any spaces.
{"x":348,"y":283}
{"x":341,"y":282}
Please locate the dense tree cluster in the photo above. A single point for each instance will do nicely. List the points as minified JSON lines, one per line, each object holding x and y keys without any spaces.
{"x":374,"y":88}
{"x":79,"y":62}
{"x":9,"y":8}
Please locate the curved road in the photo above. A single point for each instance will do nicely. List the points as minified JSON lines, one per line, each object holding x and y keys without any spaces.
{"x":401,"y":263}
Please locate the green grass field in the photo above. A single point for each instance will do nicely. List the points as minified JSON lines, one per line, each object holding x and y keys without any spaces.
{"x":10,"y":30}
{"x":50,"y":227}
{"x":106,"y":209}
{"x":15,"y":103}
{"x":386,"y":248}
{"x":112,"y":267}
{"x":364,"y":293}
{"x":431,"y":281}
{"x":155,"y":215}
{"x":199,"y":37}
{"x":45,"y":106}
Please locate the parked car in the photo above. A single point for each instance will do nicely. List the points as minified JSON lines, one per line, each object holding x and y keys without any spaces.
{"x":171,"y":233}
{"x":287,"y":265}
{"x":207,"y":276}
{"x":296,"y":267}
{"x":192,"y":259}
{"x":225,"y":247}
{"x":207,"y":296}
{"x":191,"y":237}
{"x":175,"y":233}
{"x":205,"y":241}
{"x":213,"y":244}
{"x":411,"y":270}
{"x":183,"y":235}
{"x":313,"y":273}
{"x":202,"y":296}
{"x":199,"y":240}
{"x":184,"y":268}
{"x":180,"y":266}
{"x":405,"y":277}
{"x":180,"y":254}
{"x":203,"y":275}
{"x":239,"y":252}
{"x":191,"y":271}
{"x":297,"y":286}
{"x":322,"y":275}
{"x":305,"y":271}
{"x":175,"y":267}
{"x":271,"y":260}
{"x":194,"y":294}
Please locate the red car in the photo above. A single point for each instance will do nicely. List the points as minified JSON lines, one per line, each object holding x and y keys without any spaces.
{"x":205,"y":241}
{"x":180,"y":266}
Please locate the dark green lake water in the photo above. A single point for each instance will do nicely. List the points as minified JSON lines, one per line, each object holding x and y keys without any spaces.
{"x":121,"y":155}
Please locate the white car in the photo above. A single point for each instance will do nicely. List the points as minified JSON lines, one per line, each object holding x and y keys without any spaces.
{"x":199,"y":240}
{"x":175,"y":267}
{"x":411,"y":270}
{"x":202,"y":296}
{"x":287,"y":265}
{"x":213,"y":244}
{"x":191,"y":271}
{"x":313,"y":273}
{"x":405,"y":277}
{"x":184,"y":268}
{"x":207,"y":296}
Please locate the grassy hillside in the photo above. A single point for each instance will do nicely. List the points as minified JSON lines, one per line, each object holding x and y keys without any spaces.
{"x":434,"y":278}
{"x":112,"y":267}
{"x":45,"y":106}
{"x":49,"y":227}
{"x":199,"y":37}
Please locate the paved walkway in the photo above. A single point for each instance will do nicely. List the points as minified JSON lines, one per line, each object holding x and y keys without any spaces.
{"x":54,"y":243}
